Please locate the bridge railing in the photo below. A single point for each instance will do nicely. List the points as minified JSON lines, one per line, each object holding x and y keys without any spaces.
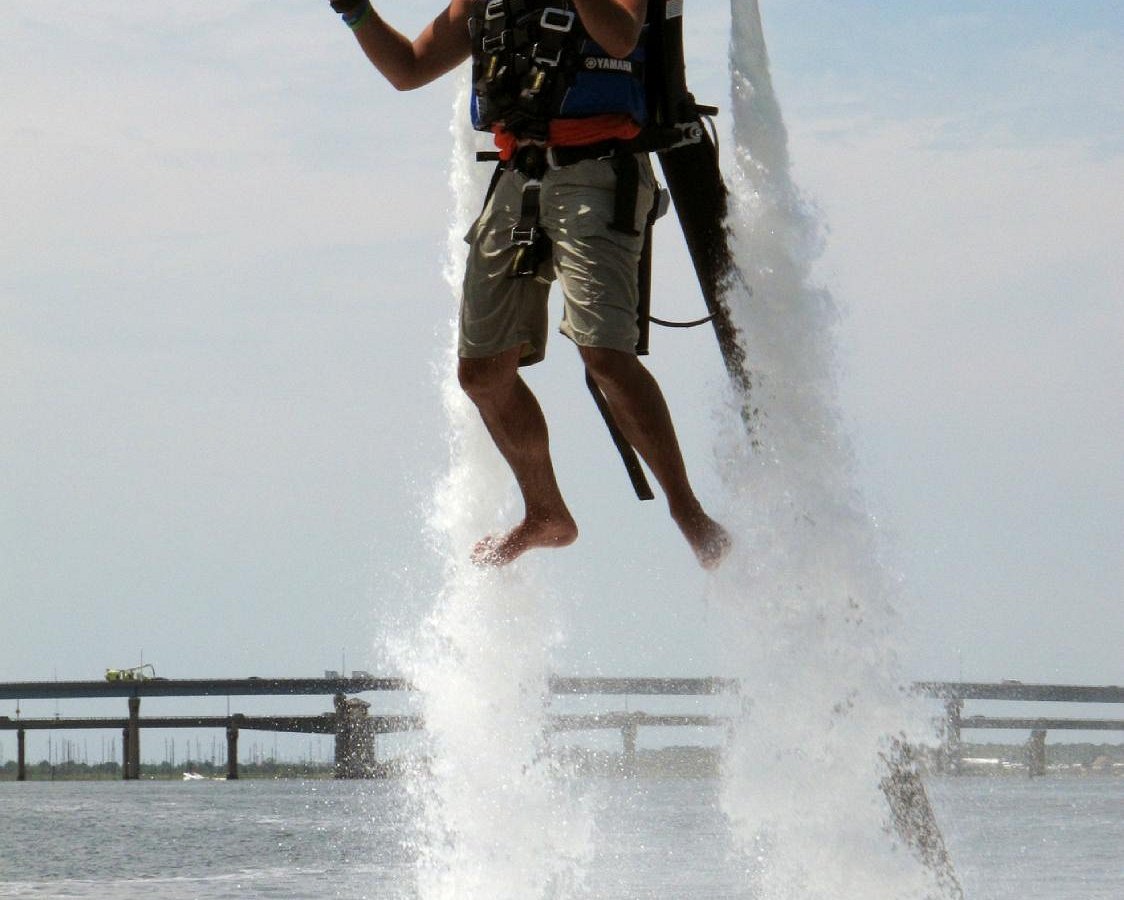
{"x":956,"y":694}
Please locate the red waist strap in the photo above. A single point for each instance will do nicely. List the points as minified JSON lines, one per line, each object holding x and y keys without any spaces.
{"x":575,"y":133}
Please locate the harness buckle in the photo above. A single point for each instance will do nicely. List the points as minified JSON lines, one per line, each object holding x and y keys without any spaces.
{"x":547,"y":60}
{"x":525,"y":232}
{"x":494,"y":43}
{"x":494,"y":10}
{"x":555,"y":19}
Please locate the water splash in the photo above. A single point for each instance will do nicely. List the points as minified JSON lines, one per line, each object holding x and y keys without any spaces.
{"x":493,"y":822}
{"x":811,"y":629}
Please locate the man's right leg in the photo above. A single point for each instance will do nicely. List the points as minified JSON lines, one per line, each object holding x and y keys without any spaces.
{"x":515,"y":421}
{"x":641,"y":412}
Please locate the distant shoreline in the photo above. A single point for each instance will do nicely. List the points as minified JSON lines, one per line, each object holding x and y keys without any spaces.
{"x":671,"y":762}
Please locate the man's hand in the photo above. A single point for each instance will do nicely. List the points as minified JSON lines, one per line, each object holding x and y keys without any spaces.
{"x":406,"y":64}
{"x":344,"y":7}
{"x":352,"y":11}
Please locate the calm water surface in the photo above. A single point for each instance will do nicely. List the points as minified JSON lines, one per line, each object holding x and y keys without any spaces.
{"x":1046,"y":839}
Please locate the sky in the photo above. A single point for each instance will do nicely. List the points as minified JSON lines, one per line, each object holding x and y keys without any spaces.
{"x":224,"y":321}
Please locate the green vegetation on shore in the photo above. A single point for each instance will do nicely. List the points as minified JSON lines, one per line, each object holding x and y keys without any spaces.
{"x":681,"y":762}
{"x":111,"y":771}
{"x":1076,"y":758}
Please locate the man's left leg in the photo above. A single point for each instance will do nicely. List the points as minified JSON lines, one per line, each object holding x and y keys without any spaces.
{"x":515,"y":421}
{"x":638,"y":405}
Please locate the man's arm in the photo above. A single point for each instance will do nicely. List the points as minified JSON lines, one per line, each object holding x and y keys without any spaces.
{"x":614,"y":24}
{"x":406,"y":64}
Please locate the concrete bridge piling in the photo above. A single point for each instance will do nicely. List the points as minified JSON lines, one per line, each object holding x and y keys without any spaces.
{"x":21,"y":755}
{"x":1036,"y":753}
{"x":355,"y":739}
{"x":231,"y":752}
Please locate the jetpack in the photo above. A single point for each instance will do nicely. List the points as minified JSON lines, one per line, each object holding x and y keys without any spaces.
{"x":680,"y":133}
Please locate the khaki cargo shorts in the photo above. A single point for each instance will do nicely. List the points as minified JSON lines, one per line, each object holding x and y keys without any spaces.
{"x":596,"y":266}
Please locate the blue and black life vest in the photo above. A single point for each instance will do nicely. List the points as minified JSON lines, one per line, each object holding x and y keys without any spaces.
{"x":533,"y":61}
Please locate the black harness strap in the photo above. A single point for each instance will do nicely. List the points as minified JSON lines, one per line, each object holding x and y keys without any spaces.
{"x":628,"y":189}
{"x":492,"y":183}
{"x":526,"y":237}
{"x":644,"y":316}
{"x":531,"y":245}
{"x":624,"y":448}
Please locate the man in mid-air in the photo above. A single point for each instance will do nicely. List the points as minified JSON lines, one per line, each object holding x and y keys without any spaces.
{"x":560,"y":85}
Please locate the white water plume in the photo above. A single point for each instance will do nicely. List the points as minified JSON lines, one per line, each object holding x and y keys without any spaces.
{"x":492,"y":823}
{"x":811,"y":624}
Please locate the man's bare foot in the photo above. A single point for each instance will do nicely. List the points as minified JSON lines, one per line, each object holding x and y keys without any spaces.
{"x":710,"y":541}
{"x":499,"y":550}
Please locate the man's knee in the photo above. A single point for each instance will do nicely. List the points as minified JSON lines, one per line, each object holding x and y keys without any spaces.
{"x":609,"y":367}
{"x":481,"y":378}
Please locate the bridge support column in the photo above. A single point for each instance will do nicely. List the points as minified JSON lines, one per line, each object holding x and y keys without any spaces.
{"x":231,"y":752}
{"x":132,"y":759}
{"x":125,"y":753}
{"x":1036,"y":753}
{"x":628,"y":737}
{"x":951,"y":761}
{"x":21,"y":755}
{"x":355,"y":739}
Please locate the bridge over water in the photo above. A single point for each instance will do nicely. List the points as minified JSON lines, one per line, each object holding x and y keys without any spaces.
{"x":355,"y":728}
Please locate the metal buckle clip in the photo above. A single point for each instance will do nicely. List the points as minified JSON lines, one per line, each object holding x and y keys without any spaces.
{"x":555,"y":19}
{"x":495,"y":43}
{"x":547,"y":60}
{"x":524,"y":236}
{"x":494,"y":10}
